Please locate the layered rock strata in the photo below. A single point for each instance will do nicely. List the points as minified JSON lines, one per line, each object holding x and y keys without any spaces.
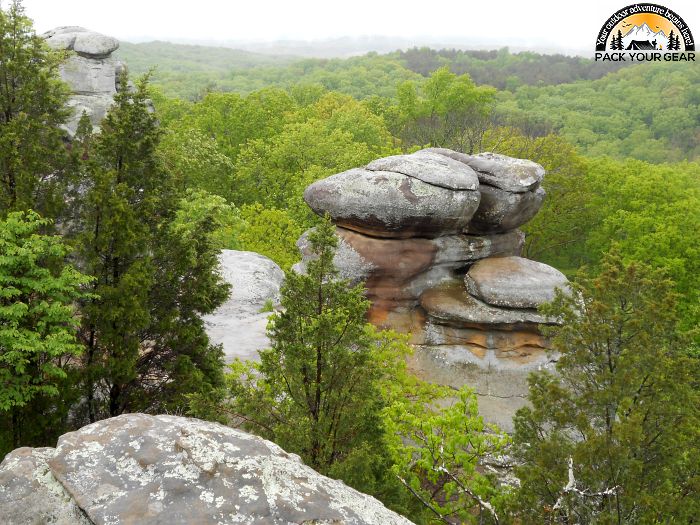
{"x":434,"y":236}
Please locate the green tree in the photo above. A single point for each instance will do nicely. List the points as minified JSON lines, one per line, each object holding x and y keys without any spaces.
{"x":38,"y":325}
{"x":153,"y":256}
{"x":315,"y":391}
{"x":32,"y":99}
{"x":613,"y":436}
{"x":437,"y":452}
{"x":451,"y":112}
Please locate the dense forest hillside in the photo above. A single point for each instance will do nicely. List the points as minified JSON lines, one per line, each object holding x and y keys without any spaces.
{"x":645,"y":111}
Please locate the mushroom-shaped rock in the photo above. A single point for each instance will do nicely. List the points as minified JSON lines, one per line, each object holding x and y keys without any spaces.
{"x":239,"y":324}
{"x":91,"y":73}
{"x":138,"y":468}
{"x":392,"y":204}
{"x":83,"y":41}
{"x":514,"y":282}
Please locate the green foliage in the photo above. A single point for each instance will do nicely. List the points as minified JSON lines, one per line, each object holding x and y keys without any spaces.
{"x":37,"y":322}
{"x":315,"y":391}
{"x":505,"y":70}
{"x":32,"y":98}
{"x":647,"y":112}
{"x":436,"y":454}
{"x":270,"y":232}
{"x":622,"y":408}
{"x":154,"y":259}
{"x":446,"y":110}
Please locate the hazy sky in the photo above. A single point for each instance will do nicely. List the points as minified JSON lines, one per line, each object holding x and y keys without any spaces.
{"x":565,"y":24}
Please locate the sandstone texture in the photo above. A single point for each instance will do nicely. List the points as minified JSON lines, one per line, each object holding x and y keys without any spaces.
{"x":514,"y":282}
{"x":91,"y":72}
{"x":418,"y":195}
{"x":434,"y":236}
{"x":240,"y":323}
{"x":142,"y":469}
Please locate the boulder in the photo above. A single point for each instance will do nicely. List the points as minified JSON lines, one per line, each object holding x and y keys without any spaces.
{"x":30,"y":494}
{"x":391,"y":204}
{"x":507,"y":173}
{"x":397,"y":271}
{"x":90,"y":76}
{"x":514,"y":282}
{"x":240,"y":323}
{"x":509,"y":187}
{"x":144,"y":469}
{"x":451,"y":305}
{"x":502,"y":211}
{"x":83,"y":41}
{"x":431,"y":168}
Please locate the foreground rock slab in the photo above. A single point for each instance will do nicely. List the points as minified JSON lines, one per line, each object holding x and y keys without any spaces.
{"x":240,"y":323}
{"x":30,"y":494}
{"x":141,"y":469}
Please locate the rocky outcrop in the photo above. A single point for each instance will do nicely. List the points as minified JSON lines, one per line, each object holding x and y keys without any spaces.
{"x":434,"y":235}
{"x":90,"y":70}
{"x":240,"y":323}
{"x":144,"y":469}
{"x":423,"y":194}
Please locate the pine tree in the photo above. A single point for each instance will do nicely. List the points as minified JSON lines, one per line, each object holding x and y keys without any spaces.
{"x":32,"y":107}
{"x":613,"y":437}
{"x":145,"y":341}
{"x":38,"y":327}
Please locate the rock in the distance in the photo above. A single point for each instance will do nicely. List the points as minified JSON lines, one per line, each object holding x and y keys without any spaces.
{"x":81,"y":40}
{"x":240,"y":323}
{"x":514,"y":282}
{"x":92,"y":73}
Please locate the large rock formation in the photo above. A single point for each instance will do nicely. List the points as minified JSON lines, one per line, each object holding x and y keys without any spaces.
{"x":434,"y":237}
{"x":140,"y":469}
{"x":90,"y":70}
{"x":240,"y":323}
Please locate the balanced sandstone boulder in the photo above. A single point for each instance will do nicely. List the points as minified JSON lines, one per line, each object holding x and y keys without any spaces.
{"x":514,"y":282}
{"x":144,"y":469}
{"x":433,"y":235}
{"x":419,"y":195}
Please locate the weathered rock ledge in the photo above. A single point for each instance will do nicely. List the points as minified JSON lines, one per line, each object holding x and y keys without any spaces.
{"x":141,"y":469}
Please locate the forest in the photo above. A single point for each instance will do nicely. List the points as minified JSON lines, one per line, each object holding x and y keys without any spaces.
{"x":108,"y":260}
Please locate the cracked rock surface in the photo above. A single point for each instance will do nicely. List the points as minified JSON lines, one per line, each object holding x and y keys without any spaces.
{"x":142,"y":469}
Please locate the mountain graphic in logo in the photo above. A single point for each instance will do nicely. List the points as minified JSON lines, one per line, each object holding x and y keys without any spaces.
{"x":651,"y":29}
{"x":639,"y":36}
